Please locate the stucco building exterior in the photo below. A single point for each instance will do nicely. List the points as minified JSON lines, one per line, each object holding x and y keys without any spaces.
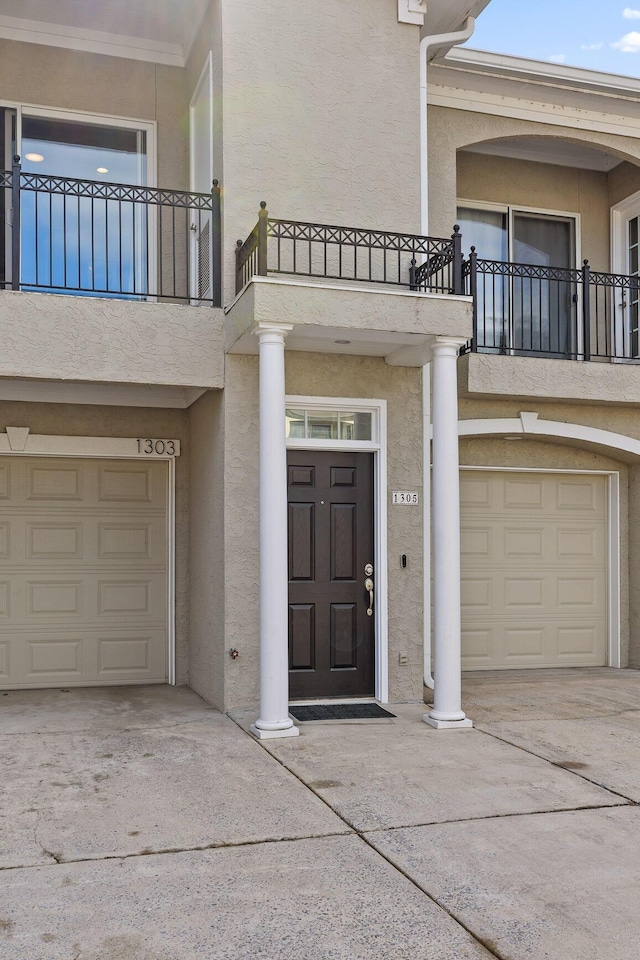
{"x":217,"y":403}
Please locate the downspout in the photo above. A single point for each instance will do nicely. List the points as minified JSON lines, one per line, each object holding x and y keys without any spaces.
{"x":436,"y":40}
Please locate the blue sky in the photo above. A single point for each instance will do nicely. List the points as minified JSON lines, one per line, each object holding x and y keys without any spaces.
{"x":596,"y":34}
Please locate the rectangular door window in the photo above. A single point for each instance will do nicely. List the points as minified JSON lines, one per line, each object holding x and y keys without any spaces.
{"x":487,"y":231}
{"x":543,"y":308}
{"x":534,"y":314}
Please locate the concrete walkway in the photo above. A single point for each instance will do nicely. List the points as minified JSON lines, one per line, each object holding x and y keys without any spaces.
{"x":140,"y":824}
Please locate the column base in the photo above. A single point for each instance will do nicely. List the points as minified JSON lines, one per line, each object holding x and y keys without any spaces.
{"x":291,"y":731}
{"x":465,"y":724}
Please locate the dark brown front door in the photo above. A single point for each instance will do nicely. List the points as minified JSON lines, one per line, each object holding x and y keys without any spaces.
{"x":331,"y":636}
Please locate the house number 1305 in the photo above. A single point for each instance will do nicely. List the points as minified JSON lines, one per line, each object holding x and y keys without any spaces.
{"x":158,"y":447}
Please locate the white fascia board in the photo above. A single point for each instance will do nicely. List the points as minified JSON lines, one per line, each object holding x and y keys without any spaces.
{"x":457,"y":98}
{"x":91,"y":41}
{"x":541,"y":71}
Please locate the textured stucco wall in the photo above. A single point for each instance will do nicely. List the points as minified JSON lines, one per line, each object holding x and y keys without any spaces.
{"x":241,"y":554}
{"x":452,"y":130}
{"x":548,"y":380}
{"x":116,"y":341}
{"x":206,"y":548}
{"x":522,"y":183}
{"x":92,"y":83}
{"x":320,"y":115}
{"x":92,"y":421}
{"x":623,"y":181}
{"x":352,"y":308}
{"x":531,"y":453}
{"x":315,"y":375}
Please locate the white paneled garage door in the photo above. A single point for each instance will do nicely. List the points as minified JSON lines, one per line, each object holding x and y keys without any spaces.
{"x":534,"y":569}
{"x":83,"y":572}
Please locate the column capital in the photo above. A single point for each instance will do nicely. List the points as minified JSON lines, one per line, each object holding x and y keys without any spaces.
{"x":447,"y":346}
{"x":272,"y":330}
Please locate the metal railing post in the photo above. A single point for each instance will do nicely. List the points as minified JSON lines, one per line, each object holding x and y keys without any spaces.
{"x":216,"y":245}
{"x":412,"y":275}
{"x":586,"y":311}
{"x":473,"y":291}
{"x":239,"y":280}
{"x":16,"y":172}
{"x":263,"y":217}
{"x":458,"y":288}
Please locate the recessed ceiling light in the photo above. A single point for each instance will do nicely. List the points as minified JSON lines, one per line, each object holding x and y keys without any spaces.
{"x":103,"y":170}
{"x":34,"y":157}
{"x":342,"y":341}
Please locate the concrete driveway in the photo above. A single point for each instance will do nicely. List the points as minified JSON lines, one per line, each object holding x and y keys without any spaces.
{"x":140,"y":824}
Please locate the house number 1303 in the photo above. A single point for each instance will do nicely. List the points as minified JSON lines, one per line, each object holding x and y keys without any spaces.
{"x":157,"y":447}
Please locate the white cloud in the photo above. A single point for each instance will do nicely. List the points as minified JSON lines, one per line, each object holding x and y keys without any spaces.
{"x":592,"y":46}
{"x":630,"y":14}
{"x":630,"y":43}
{"x":558,"y":58}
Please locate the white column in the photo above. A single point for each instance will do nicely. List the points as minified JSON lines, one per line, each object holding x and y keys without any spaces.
{"x":274,"y":720}
{"x":447,"y":695}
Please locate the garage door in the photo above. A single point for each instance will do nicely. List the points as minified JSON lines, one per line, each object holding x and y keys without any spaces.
{"x":83,"y":572}
{"x":534,"y":570}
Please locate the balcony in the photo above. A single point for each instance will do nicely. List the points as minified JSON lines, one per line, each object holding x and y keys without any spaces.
{"x":98,"y":282}
{"x":325,"y":252}
{"x":524,"y":310}
{"x":558,"y":316}
{"x":348,"y":290}
{"x":112,"y":240}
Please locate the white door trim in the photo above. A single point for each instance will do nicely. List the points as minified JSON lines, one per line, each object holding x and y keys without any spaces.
{"x":378,"y":446}
{"x":205,"y":79}
{"x":115,"y":448}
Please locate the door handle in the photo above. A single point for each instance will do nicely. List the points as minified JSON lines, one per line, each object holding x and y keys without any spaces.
{"x":368,"y":585}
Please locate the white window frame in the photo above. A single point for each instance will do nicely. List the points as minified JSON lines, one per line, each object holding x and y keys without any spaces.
{"x":621,"y":213}
{"x":378,"y":446}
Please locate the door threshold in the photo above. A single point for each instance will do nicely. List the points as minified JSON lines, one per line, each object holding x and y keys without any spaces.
{"x":320,"y":701}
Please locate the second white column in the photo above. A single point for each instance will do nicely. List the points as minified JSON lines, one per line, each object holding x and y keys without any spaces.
{"x":274,"y":720}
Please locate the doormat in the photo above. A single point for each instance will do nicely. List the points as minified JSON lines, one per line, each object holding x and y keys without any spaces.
{"x":339,"y":711}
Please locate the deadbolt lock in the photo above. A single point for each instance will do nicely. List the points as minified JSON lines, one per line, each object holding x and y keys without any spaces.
{"x":368,"y":569}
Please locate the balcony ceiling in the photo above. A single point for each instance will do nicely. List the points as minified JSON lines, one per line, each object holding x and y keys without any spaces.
{"x":549,"y":150}
{"x":158,"y":30}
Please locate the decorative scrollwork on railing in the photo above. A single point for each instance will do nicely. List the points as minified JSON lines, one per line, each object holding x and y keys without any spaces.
{"x":545,"y":311}
{"x":296,"y":230}
{"x":528,"y":271}
{"x":129,"y":193}
{"x":349,"y":254}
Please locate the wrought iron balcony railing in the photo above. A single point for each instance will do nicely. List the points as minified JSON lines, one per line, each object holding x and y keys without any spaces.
{"x":527,"y":310}
{"x":62,"y":235}
{"x":322,"y":251}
